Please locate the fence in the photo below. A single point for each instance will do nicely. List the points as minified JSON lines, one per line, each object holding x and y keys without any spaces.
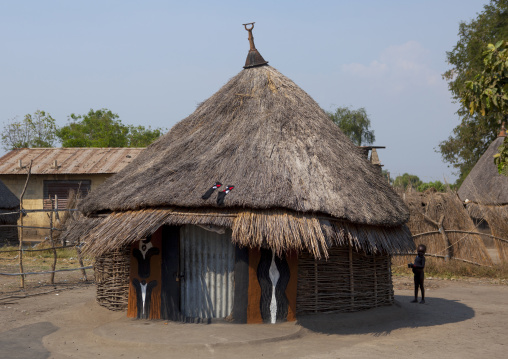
{"x":52,"y":213}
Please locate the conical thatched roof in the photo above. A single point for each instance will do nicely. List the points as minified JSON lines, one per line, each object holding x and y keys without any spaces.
{"x":484,"y":185}
{"x":299,"y":182}
{"x":263,"y":134}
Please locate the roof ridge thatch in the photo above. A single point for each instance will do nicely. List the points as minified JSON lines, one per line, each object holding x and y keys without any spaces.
{"x":265,"y":135}
{"x":484,"y":185}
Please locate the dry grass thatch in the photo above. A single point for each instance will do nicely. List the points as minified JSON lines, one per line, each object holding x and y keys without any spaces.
{"x":484,"y":185}
{"x":278,"y":230}
{"x":496,"y":219}
{"x":265,"y":135}
{"x":431,"y":208}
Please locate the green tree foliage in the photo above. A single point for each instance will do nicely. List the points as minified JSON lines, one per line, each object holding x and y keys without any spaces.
{"x":407,"y":180}
{"x":37,"y":130}
{"x":355,"y":124}
{"x":411,"y":181}
{"x":487,"y":93}
{"x":437,"y":185}
{"x":102,"y":128}
{"x":473,"y":135}
{"x":501,"y":159}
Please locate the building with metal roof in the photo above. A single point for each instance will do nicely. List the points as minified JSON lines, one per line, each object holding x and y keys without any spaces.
{"x":56,"y":171}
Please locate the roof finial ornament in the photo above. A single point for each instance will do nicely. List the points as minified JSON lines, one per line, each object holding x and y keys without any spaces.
{"x":251,"y":38}
{"x":254,"y":58}
{"x":502,"y":133}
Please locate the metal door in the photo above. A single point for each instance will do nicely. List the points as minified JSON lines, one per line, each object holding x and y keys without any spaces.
{"x":207,"y":259}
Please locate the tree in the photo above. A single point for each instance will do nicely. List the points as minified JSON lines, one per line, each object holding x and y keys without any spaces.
{"x":437,"y":185}
{"x":471,"y":138}
{"x":354,"y":123}
{"x":487,"y":93}
{"x":407,"y":180}
{"x":102,"y":128}
{"x":37,"y":130}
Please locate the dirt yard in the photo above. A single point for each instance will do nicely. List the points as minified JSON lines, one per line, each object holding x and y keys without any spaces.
{"x":461,"y":319}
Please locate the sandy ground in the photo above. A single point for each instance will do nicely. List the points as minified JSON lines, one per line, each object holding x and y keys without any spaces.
{"x":461,"y":319}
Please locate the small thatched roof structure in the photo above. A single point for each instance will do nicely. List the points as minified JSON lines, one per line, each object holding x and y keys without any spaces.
{"x":8,"y":203}
{"x":300,"y":183}
{"x":484,"y":185}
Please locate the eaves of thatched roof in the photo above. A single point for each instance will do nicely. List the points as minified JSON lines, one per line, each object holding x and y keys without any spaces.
{"x":263,"y":134}
{"x":484,"y":185}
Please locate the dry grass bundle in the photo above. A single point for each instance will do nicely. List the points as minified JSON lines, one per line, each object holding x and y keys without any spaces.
{"x":430,"y":209}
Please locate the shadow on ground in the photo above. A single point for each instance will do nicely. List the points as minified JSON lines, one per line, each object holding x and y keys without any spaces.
{"x":383,"y":320}
{"x":26,"y":341}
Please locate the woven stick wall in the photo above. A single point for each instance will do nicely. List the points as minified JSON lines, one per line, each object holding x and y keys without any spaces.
{"x":112,"y":279}
{"x":348,"y":281}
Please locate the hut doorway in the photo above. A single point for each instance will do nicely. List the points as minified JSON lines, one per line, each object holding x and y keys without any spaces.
{"x":198,"y":273}
{"x":208,"y":260}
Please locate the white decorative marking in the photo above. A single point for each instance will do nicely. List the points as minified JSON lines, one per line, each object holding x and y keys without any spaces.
{"x":144,"y":247}
{"x":143,"y":295}
{"x":274,"y":277}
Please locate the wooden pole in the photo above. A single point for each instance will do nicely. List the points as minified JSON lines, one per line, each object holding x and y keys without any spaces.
{"x":53,"y":267}
{"x":315,"y":285}
{"x":351,"y":275}
{"x":80,"y":259}
{"x":440,"y":228}
{"x":375,"y":280}
{"x":22,"y":276}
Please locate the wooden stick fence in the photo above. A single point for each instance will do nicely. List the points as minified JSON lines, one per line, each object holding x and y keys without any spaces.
{"x":53,"y":212}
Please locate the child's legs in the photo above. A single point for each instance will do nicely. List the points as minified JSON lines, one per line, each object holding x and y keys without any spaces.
{"x":421,"y":280}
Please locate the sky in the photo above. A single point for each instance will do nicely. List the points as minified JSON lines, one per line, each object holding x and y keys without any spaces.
{"x":153,"y":62}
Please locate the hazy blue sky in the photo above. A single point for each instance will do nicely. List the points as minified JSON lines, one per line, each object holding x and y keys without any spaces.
{"x":152,"y":62}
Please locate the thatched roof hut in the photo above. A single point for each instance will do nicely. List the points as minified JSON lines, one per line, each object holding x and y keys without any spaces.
{"x":484,"y":185}
{"x":300,"y":185}
{"x":8,"y":203}
{"x":485,"y":193}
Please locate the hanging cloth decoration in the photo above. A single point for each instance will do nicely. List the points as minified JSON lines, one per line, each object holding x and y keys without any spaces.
{"x":211,"y":189}
{"x":222,"y":195}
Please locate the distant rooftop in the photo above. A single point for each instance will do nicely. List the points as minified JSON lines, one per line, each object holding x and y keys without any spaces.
{"x":67,"y":160}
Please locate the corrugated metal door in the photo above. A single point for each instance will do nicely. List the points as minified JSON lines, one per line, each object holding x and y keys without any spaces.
{"x":208,"y":260}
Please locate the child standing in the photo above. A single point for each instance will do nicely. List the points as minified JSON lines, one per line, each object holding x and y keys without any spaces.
{"x":418,"y":267}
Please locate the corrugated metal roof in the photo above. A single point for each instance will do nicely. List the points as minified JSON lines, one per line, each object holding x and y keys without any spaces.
{"x":68,"y":160}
